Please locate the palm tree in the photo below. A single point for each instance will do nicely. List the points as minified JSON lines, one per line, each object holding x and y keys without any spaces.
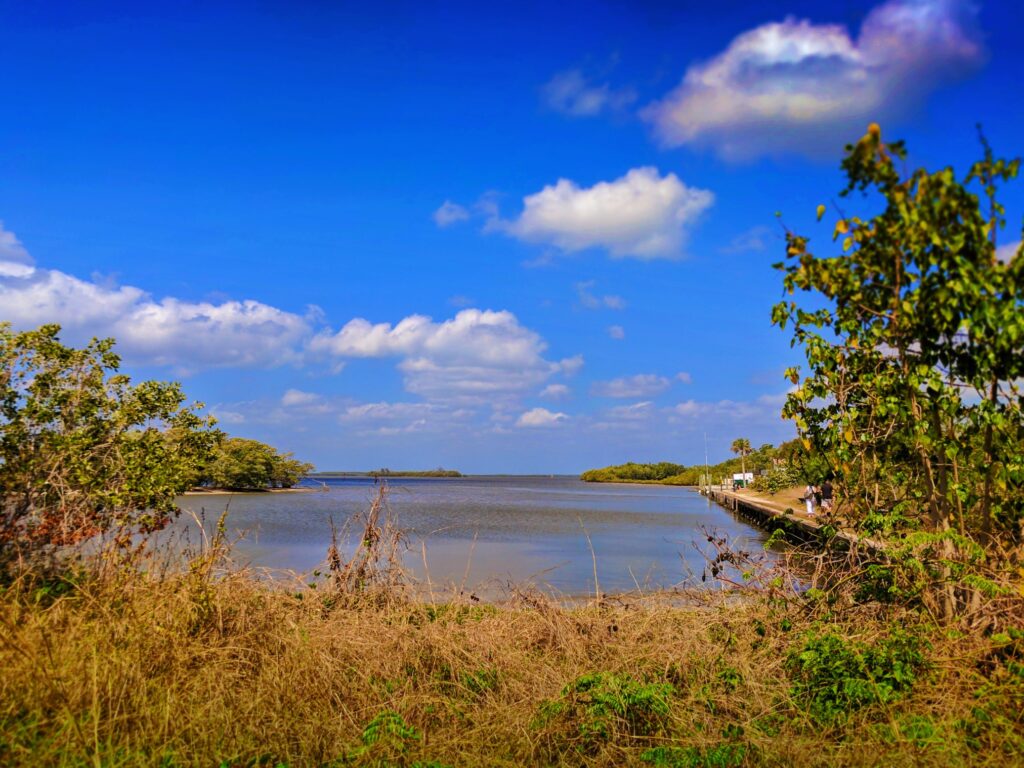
{"x":742,"y":446}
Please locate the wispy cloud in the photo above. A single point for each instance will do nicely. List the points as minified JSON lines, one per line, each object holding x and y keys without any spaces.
{"x":753,"y":240}
{"x":555,"y":391}
{"x":450,"y":213}
{"x":589,"y":300}
{"x":794,"y":86}
{"x":640,"y":385}
{"x":616,"y":332}
{"x":573,"y":93}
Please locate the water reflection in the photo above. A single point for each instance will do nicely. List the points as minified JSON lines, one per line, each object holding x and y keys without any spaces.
{"x":488,"y":531}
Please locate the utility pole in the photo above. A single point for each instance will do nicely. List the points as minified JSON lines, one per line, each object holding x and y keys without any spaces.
{"x":707,"y":472}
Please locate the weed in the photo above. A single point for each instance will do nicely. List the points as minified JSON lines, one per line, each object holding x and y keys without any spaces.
{"x":718,"y":756}
{"x":603,"y":705}
{"x":834,"y":676}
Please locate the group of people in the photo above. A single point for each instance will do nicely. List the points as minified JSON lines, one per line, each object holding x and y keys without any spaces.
{"x":818,"y":497}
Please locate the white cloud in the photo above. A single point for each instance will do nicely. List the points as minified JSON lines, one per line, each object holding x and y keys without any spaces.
{"x":572,"y":93}
{"x":540,"y":417}
{"x":1005,"y":253}
{"x":477,"y":355}
{"x":684,"y":378}
{"x":570,"y":366}
{"x":766,"y":409}
{"x":555,"y":391}
{"x":616,"y":332}
{"x":634,"y":412}
{"x":641,"y":215}
{"x":754,"y":239}
{"x":472,"y":337}
{"x":450,"y":213}
{"x":227,"y":417}
{"x":296,"y":398}
{"x":14,"y":259}
{"x":640,"y":385}
{"x":188,"y":335}
{"x":794,"y":86}
{"x":590,"y":300}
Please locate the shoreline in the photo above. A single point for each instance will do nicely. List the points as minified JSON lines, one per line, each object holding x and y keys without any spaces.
{"x":230,"y":492}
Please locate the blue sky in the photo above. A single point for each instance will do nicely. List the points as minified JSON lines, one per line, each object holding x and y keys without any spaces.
{"x":529,"y":238}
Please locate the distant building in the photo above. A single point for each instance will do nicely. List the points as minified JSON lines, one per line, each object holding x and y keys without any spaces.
{"x":742,"y":479}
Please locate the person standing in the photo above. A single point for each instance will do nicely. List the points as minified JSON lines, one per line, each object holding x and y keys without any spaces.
{"x":826,"y":496}
{"x":808,"y":498}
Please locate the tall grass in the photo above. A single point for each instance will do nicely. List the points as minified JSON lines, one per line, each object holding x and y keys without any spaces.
{"x":210,"y":666}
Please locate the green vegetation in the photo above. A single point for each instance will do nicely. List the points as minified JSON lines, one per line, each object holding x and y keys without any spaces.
{"x":914,"y":339}
{"x":790,"y":457}
{"x":385,"y":472}
{"x":741,"y":446}
{"x":439,"y":472}
{"x":633,"y":473}
{"x":240,"y":464}
{"x":835,"y":677}
{"x":83,"y":450}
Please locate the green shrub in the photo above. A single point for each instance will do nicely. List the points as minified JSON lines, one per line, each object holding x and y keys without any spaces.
{"x":834,"y":676}
{"x":718,"y":756}
{"x":599,"y":706}
{"x":386,"y":741}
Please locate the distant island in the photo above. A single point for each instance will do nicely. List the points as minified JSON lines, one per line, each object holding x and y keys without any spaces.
{"x":385,"y":472}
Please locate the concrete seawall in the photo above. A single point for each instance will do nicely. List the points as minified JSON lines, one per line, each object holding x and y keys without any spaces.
{"x":797,"y":526}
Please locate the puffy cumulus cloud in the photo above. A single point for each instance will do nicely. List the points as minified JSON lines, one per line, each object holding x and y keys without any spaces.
{"x":794,"y":86}
{"x":478,"y":355}
{"x":641,"y":215}
{"x":684,"y":378}
{"x":540,"y":417}
{"x":450,"y":213}
{"x":572,"y":93}
{"x":473,"y":336}
{"x":555,"y":391}
{"x":616,"y":332}
{"x":188,"y":335}
{"x":641,"y":385}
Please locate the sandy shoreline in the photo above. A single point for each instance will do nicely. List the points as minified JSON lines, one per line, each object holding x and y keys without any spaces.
{"x":229,"y":492}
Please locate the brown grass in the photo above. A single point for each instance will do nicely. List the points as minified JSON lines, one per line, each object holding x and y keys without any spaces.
{"x":216,"y":667}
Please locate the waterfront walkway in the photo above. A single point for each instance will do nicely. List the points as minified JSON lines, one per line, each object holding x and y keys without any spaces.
{"x":772,"y":514}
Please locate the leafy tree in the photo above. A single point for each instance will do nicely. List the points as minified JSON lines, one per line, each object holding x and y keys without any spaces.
{"x":244,"y":464}
{"x":82,"y":449}
{"x":915,"y":350}
{"x":741,"y":445}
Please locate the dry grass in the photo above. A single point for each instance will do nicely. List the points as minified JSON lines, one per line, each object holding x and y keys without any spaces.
{"x":117,"y":667}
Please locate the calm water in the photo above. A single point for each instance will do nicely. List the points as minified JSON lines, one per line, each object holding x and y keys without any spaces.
{"x":527,"y":529}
